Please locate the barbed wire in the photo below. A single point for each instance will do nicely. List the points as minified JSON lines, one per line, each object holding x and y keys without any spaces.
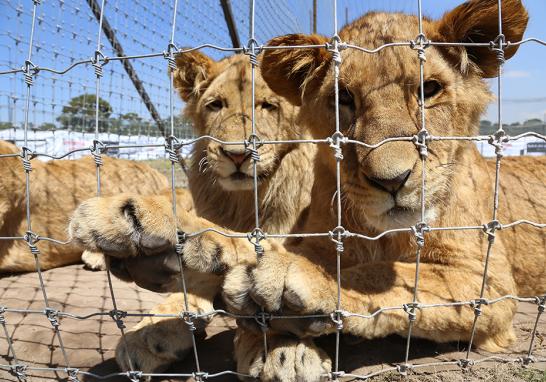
{"x":97,"y":60}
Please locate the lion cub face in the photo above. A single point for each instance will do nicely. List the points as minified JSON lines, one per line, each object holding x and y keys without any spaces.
{"x":379,"y":99}
{"x":219,"y":101}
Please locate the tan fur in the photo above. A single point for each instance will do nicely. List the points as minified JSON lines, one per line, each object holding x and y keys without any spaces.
{"x":56,"y":189}
{"x":220,"y":200}
{"x":380,"y":100}
{"x":459,"y":188}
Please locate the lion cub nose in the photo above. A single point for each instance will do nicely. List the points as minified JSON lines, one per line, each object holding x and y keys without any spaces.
{"x":237,"y":157}
{"x":391,"y":185}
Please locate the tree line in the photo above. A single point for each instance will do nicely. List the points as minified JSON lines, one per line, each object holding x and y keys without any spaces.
{"x":79,"y":115}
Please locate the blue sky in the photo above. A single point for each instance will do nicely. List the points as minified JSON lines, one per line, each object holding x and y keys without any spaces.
{"x":67,"y":31}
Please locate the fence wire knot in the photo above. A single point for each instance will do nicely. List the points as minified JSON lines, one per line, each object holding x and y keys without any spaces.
{"x":420,"y":44}
{"x":336,"y":235}
{"x":52,"y":316}
{"x":465,"y":363}
{"x":255,"y":237}
{"x":98,"y":61}
{"x":477,"y":305}
{"x":497,"y":46}
{"x":200,"y":375}
{"x":96,"y":150}
{"x":490,"y":229}
{"x":403,"y":368}
{"x":169,"y":55}
{"x":134,"y":376}
{"x":410,"y":309}
{"x":20,"y":371}
{"x":334,"y":375}
{"x":188,"y":318}
{"x":171,"y":148}
{"x":337,"y":318}
{"x":497,"y":140}
{"x":181,"y":236}
{"x":527,"y":360}
{"x":335,"y":47}
{"x":420,"y":141}
{"x":252,"y":144}
{"x":118,"y":316}
{"x":252,"y":49}
{"x":335,"y":142}
{"x":540,"y":301}
{"x":29,"y":71}
{"x":32,"y":239}
{"x":419,"y":230}
{"x":27,"y":155}
{"x":262,"y":318}
{"x":72,"y":374}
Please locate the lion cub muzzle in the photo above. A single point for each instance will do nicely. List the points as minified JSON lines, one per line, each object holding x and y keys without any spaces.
{"x":389,"y":167}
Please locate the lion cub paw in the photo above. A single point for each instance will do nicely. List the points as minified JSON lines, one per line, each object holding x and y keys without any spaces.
{"x":124,"y":225}
{"x":153,"y":348}
{"x":288,"y":359}
{"x":93,"y":261}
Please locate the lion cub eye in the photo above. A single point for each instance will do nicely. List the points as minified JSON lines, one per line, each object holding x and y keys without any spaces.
{"x":430,"y":88}
{"x":346,"y":99}
{"x":268,"y":106}
{"x":215,"y":105}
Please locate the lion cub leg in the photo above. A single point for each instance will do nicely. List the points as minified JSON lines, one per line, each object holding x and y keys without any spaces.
{"x":289,"y":359}
{"x":156,"y":342}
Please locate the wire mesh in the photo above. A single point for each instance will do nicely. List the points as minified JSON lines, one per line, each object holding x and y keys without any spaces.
{"x":69,"y":67}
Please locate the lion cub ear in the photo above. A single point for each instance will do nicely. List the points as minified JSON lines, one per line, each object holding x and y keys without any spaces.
{"x":193,"y":73}
{"x":290,"y":72}
{"x":477,"y":21}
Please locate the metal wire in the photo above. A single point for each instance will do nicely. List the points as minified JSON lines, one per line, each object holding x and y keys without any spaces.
{"x":252,"y":143}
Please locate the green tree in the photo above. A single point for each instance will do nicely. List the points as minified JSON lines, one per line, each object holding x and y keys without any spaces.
{"x":533,"y":121}
{"x":79,"y":114}
{"x":6,"y":125}
{"x":47,"y":126}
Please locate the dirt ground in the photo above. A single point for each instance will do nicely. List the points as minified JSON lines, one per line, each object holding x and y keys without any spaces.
{"x":90,"y":343}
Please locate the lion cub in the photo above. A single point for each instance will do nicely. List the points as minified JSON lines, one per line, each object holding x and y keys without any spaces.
{"x":221,"y":195}
{"x":381,"y":190}
{"x":50,"y":184}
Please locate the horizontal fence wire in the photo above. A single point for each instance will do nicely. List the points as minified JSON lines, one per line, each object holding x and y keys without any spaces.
{"x":97,"y":59}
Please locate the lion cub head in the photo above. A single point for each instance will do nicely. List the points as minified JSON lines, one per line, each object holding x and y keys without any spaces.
{"x":379,"y":99}
{"x":219,"y":101}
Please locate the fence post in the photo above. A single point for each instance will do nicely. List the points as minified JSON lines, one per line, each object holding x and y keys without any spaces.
{"x":232,"y":27}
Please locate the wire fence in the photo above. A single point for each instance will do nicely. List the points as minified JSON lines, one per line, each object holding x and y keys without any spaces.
{"x":27,"y":68}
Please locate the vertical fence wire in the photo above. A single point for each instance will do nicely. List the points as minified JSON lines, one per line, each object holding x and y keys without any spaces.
{"x":252,"y":145}
{"x":97,"y":150}
{"x":337,"y":233}
{"x":31,"y":237}
{"x":421,"y":146}
{"x":171,"y":150}
{"x":498,"y":143}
